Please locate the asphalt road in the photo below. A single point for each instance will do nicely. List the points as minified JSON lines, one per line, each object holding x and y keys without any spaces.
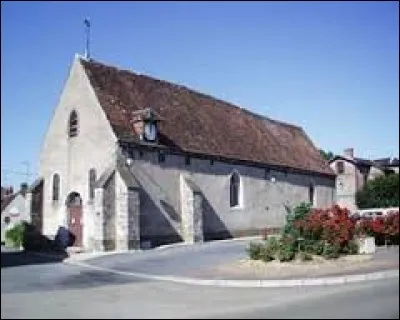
{"x":34,"y":287}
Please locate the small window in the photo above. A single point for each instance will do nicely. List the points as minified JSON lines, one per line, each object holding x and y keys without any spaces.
{"x":92,"y":180}
{"x":56,"y":187}
{"x":311,"y":194}
{"x":187,"y":160}
{"x":161,"y":156}
{"x":211,"y":162}
{"x":340,"y":167}
{"x":7,"y":220}
{"x":73,"y":124}
{"x":234,"y":190}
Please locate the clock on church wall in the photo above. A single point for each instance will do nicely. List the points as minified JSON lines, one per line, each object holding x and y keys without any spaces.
{"x":145,"y":125}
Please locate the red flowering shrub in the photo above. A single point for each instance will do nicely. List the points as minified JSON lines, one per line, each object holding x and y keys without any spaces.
{"x":332,"y":225}
{"x":384,"y":228}
{"x":391,"y":224}
{"x":364,"y":228}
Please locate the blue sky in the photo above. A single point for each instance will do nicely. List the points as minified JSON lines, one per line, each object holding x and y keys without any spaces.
{"x":330,"y":67}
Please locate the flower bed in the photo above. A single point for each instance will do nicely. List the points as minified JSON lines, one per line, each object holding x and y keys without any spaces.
{"x":308,"y":232}
{"x":384,"y":229}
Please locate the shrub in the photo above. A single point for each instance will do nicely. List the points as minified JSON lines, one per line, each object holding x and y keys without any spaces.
{"x":391,"y":227}
{"x":267,"y":253}
{"x":287,"y":248}
{"x":318,"y":247}
{"x":286,"y":255}
{"x":382,"y":192}
{"x":304,"y":256}
{"x":15,"y":235}
{"x":272,"y":243}
{"x":331,"y":251}
{"x":332,"y":225}
{"x":350,"y":248}
{"x":270,"y":249}
{"x":254,"y":250}
{"x":384,"y":229}
{"x":292,"y":216}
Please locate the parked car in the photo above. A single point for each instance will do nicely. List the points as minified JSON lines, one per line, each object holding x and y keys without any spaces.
{"x":372,"y":213}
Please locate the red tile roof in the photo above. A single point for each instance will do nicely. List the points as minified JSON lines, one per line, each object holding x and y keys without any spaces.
{"x":198,"y":123}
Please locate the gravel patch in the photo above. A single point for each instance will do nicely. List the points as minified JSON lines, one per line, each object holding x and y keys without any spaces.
{"x":316,"y":267}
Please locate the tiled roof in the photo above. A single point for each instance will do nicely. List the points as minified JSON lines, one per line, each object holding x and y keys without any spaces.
{"x":387,"y":162}
{"x":384,"y":163}
{"x":365,"y":162}
{"x":198,"y":123}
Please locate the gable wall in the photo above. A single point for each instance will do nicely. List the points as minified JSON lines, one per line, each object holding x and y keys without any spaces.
{"x":72,"y":158}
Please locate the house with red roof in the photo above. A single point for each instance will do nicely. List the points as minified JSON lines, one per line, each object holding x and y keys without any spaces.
{"x":130,"y":161}
{"x":353,"y":172}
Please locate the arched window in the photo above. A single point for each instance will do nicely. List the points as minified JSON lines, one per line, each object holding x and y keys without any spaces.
{"x":235,"y":190}
{"x":92,"y":180}
{"x":73,"y":124}
{"x":56,"y":187}
{"x":311,"y":193}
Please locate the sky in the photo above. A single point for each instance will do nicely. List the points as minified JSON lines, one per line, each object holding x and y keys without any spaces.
{"x":329,"y":67}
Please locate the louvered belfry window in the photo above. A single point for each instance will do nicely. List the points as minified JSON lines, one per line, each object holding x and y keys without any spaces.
{"x":73,"y":124}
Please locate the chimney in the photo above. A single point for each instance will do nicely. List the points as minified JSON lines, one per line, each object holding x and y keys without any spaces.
{"x":349,"y":153}
{"x":24,"y":188}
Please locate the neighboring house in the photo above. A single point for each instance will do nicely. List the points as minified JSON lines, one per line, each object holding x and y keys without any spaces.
{"x":131,"y":161}
{"x":6,"y":192}
{"x":388,"y":164}
{"x":14,"y":210}
{"x":352,"y":173}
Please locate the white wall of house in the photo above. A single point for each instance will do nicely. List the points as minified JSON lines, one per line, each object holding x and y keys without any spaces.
{"x":16,"y":211}
{"x":374,"y":172}
{"x":346,"y":184}
{"x":263,"y":201}
{"x":72,"y":158}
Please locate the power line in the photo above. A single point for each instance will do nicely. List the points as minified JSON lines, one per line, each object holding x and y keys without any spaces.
{"x":26,"y":174}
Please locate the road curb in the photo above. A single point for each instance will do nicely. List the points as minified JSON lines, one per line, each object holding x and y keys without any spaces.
{"x":394,"y":273}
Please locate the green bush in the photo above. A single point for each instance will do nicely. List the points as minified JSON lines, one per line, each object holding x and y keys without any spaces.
{"x":331,"y":251}
{"x":298,"y":213}
{"x":270,"y":249}
{"x":286,"y":254}
{"x":15,"y":235}
{"x":305,"y":256}
{"x":382,"y":192}
{"x":350,"y":248}
{"x":287,"y":248}
{"x":318,"y":247}
{"x":254,"y":250}
{"x":267,"y":253}
{"x":272,"y":243}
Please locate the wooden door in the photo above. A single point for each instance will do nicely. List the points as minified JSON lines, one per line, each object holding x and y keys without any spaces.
{"x":75,"y":224}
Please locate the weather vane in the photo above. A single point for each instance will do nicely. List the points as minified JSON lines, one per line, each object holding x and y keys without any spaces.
{"x":87,"y":49}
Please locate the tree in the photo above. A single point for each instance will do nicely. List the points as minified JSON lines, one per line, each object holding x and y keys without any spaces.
{"x":326,"y":155}
{"x":382,"y":192}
